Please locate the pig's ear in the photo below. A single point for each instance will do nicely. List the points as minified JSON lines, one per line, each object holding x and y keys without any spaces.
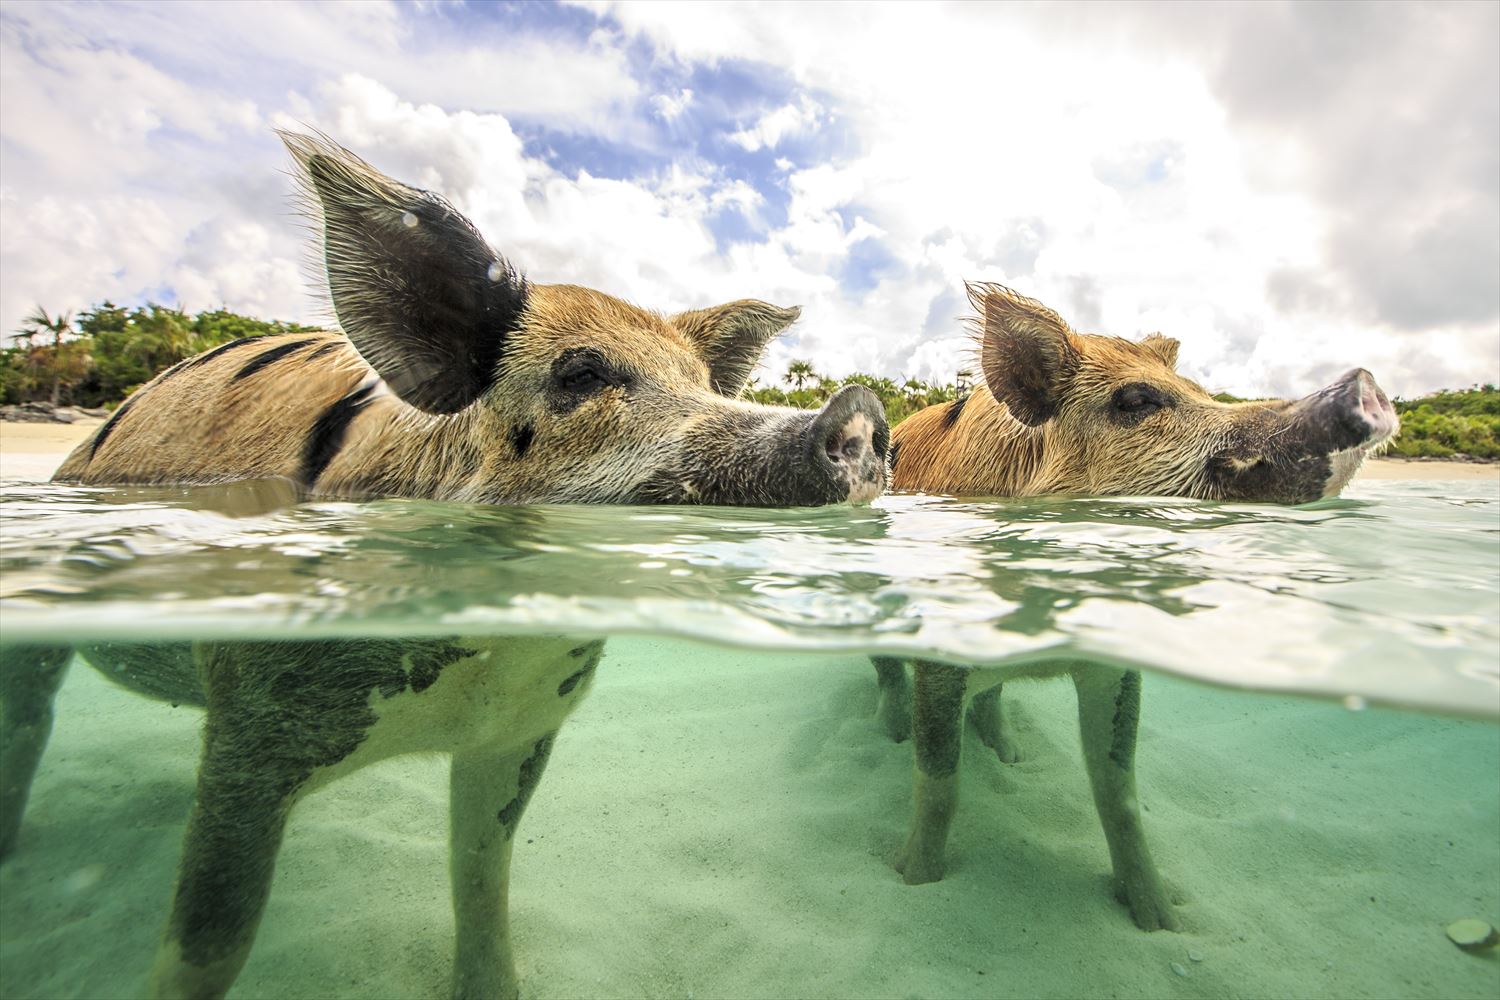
{"x":1164,"y":349}
{"x":417,"y":290}
{"x":1027,"y":354}
{"x":732,"y":337}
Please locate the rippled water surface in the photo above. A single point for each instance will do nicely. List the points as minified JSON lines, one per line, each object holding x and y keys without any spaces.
{"x":1388,"y":595}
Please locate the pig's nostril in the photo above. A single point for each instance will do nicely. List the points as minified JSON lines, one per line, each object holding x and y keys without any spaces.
{"x":843,"y":447}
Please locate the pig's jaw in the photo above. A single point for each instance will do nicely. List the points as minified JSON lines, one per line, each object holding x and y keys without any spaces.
{"x":1342,"y":465}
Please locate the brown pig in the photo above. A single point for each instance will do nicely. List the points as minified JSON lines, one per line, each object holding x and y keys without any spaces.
{"x":1064,"y":412}
{"x":453,"y":378}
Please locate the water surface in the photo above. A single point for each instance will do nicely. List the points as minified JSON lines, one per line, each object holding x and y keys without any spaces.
{"x":1388,"y":595}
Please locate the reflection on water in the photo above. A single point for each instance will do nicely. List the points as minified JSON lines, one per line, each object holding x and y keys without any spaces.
{"x":1389,"y":596}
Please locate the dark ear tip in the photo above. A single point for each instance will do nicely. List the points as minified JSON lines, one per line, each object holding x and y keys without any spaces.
{"x":319,"y":167}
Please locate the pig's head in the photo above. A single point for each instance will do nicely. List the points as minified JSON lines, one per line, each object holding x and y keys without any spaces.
{"x":1115,"y":417}
{"x":576,"y":396}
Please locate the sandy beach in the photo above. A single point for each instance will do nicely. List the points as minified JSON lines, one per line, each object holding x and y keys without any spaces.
{"x":33,"y":451}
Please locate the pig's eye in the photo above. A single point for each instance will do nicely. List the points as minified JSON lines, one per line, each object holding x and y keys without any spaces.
{"x":582,"y":371}
{"x":1135,"y":402}
{"x":582,"y":380}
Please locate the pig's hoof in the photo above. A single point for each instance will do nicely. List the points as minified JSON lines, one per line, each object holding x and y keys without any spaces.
{"x":918,"y":867}
{"x":985,"y":714}
{"x":893,"y":713}
{"x":1004,"y":748}
{"x":1149,"y":905}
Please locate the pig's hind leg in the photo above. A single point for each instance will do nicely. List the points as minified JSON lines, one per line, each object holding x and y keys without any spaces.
{"x":893,"y":710}
{"x":984,"y":713}
{"x":489,"y":790}
{"x":1109,"y":708}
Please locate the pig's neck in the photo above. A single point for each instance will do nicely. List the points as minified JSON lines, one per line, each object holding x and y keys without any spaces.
{"x":1003,"y":457}
{"x":984,"y":451}
{"x":392,"y":449}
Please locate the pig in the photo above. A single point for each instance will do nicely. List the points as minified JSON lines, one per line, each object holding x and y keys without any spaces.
{"x":453,"y":378}
{"x":1063,"y":412}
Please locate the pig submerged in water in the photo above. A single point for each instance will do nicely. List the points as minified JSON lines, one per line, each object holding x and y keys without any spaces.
{"x":1063,"y":412}
{"x":453,"y":379}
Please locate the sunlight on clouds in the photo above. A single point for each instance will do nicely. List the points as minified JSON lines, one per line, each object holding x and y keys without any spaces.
{"x":669,"y":106}
{"x":789,"y":119}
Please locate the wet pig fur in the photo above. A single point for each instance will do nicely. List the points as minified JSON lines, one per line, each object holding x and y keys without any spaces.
{"x":452,"y":378}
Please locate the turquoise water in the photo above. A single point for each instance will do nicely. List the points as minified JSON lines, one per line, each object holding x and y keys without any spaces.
{"x":719,"y":815}
{"x":1388,"y":595}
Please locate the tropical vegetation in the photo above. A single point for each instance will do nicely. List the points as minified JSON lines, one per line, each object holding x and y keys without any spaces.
{"x":107,"y":352}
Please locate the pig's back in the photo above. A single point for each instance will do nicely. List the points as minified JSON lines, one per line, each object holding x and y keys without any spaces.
{"x":243,"y":410}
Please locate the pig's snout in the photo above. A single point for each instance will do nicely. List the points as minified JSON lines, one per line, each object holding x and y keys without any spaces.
{"x":1352,"y":412}
{"x":848,"y":440}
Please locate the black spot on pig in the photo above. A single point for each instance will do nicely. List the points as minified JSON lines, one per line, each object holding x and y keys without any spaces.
{"x":520,"y":439}
{"x":954,"y":411}
{"x":1126,"y":720}
{"x":530,"y":774}
{"x":233,"y":345}
{"x":326,"y":438}
{"x":110,"y":425}
{"x":266,"y":358}
{"x":428,"y":660}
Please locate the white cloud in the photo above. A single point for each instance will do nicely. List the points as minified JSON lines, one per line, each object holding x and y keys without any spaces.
{"x":789,"y":119}
{"x":1125,"y":170}
{"x":670,"y":106}
{"x":1117,"y":149}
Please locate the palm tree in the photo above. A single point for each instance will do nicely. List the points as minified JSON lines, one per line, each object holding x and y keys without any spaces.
{"x":59,"y":326}
{"x":915,"y":391}
{"x":799,"y":372}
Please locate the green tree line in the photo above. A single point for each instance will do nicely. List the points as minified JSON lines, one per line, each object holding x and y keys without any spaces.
{"x":1454,"y":422}
{"x":108,"y":352}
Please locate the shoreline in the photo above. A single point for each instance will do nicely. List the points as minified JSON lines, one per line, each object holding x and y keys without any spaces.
{"x":33,"y":451}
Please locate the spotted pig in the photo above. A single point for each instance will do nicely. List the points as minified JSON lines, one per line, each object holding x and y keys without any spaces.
{"x":453,"y":378}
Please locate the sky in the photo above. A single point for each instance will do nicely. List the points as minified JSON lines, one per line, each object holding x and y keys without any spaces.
{"x":1291,"y":190}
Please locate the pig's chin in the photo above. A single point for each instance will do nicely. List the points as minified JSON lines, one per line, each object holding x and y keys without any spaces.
{"x":1342,"y":465}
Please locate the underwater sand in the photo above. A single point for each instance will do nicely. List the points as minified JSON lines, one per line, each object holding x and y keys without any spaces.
{"x":718,"y":823}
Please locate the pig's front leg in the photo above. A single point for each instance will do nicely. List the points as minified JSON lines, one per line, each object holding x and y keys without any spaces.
{"x":893,"y":710}
{"x":489,"y":790}
{"x":1109,"y":709}
{"x":937,"y":742}
{"x":246,"y":786}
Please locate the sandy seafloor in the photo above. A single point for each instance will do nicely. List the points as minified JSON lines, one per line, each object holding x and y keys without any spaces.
{"x":718,"y":823}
